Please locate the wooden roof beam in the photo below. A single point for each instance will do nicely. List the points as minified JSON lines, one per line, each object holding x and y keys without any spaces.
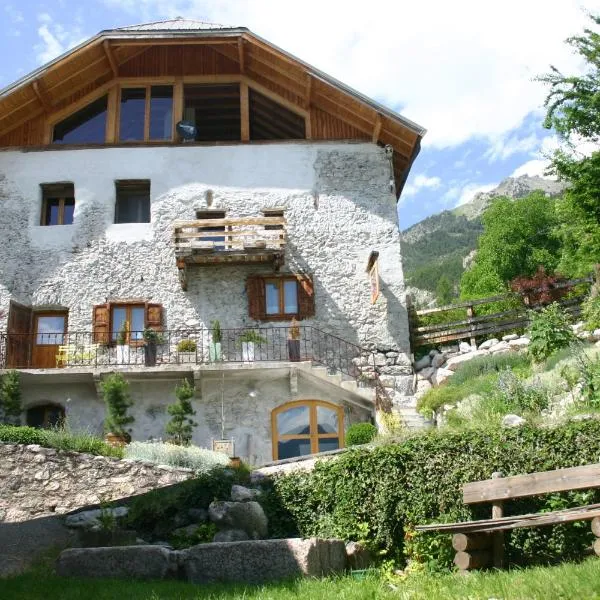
{"x":377,"y":128}
{"x":241,"y":57}
{"x":41,"y":96}
{"x":111,"y":58}
{"x":308,"y":90}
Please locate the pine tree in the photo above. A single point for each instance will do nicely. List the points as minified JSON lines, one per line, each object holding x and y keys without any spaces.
{"x":181,"y":425}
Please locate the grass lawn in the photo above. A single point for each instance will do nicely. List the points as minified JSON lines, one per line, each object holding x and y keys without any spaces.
{"x":567,"y":581}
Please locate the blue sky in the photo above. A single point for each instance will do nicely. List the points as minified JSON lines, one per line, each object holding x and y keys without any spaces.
{"x":462,"y":69}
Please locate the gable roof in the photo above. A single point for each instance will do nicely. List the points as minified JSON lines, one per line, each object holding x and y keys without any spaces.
{"x":177,"y":24}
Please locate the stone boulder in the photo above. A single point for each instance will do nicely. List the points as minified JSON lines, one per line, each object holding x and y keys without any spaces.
{"x":262,"y":561}
{"x":89,"y":519}
{"x":465,"y":348}
{"x":423,"y":362}
{"x":358,"y":556}
{"x":521,"y":342}
{"x":198,"y":515}
{"x":500,"y":348}
{"x":513,"y":421}
{"x":488,"y":344}
{"x":423,"y":387}
{"x":509,"y":337}
{"x":247,"y":516}
{"x":440,"y":376}
{"x":231,"y":535}
{"x":425,"y":373}
{"x":239,"y":493}
{"x":454,"y":362}
{"x":438,"y":360}
{"x":123,"y":562}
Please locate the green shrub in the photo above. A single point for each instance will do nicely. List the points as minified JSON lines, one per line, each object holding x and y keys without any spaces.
{"x":115,"y":390}
{"x":200,"y":460}
{"x":181,"y":425}
{"x":519,"y":395}
{"x":360,"y":433}
{"x":589,"y":378}
{"x":549,"y":331}
{"x":387,"y":490}
{"x":187,"y":345}
{"x":204,"y":533}
{"x":591,"y":312}
{"x":10,"y":397}
{"x":12,"y":434}
{"x":492,"y":363}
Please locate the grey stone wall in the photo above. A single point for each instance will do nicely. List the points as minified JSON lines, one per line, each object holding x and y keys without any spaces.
{"x":36,"y":481}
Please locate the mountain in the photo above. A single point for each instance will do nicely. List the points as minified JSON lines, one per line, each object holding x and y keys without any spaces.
{"x":439,"y":244}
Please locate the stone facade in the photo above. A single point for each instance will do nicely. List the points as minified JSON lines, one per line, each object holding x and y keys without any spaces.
{"x":38,"y":481}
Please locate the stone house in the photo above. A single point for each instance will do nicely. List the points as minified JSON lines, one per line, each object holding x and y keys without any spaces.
{"x":165,"y":176}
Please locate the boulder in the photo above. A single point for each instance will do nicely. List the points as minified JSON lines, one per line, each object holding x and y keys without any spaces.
{"x":239,"y":493}
{"x":521,"y":342}
{"x":247,"y":516}
{"x":198,"y":515}
{"x":423,"y":386}
{"x":440,"y":376}
{"x":488,"y":344}
{"x":454,"y":362}
{"x":438,"y":360}
{"x":510,"y":336}
{"x":88,"y":519}
{"x":123,"y":562}
{"x":500,"y":348}
{"x":513,"y":421}
{"x":230,"y":535}
{"x":262,"y":561}
{"x":358,"y":556}
{"x":425,"y":373}
{"x":465,"y":348}
{"x":423,"y":363}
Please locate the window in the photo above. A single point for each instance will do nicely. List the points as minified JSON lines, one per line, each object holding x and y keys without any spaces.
{"x":86,"y":126}
{"x":45,"y":416}
{"x":133,"y":201}
{"x":129,"y":316}
{"x":58,"y":204}
{"x":280,"y":298}
{"x":271,"y":121}
{"x":218,"y":240}
{"x":306,"y":427}
{"x":146,"y":113}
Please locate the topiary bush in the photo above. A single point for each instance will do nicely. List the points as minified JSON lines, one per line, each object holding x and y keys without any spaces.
{"x":360,"y":433}
{"x":549,"y":331}
{"x":181,"y":425}
{"x":381,"y":493}
{"x":115,"y":391}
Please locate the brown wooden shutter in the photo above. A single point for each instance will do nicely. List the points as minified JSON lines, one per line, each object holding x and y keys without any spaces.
{"x":154,"y":316}
{"x":101,"y":323}
{"x":20,"y":336}
{"x":306,"y":297}
{"x":255,"y":288}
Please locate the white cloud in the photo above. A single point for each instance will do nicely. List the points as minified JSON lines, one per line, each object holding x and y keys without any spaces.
{"x":461,"y":69}
{"x":533,"y":168}
{"x":420,"y":182}
{"x":504,"y":146}
{"x":54,"y":38}
{"x":468,"y":191}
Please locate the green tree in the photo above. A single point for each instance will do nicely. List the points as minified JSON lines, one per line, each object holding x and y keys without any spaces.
{"x":115,"y":391}
{"x":10,"y":398}
{"x":518,"y":236}
{"x":444,"y":291}
{"x":181,"y":425}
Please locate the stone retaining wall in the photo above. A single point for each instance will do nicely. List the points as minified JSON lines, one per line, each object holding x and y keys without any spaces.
{"x":36,"y":481}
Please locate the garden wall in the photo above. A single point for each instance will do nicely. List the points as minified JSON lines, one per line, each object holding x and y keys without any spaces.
{"x":36,"y":481}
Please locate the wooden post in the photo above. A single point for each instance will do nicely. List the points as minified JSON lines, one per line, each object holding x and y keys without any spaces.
{"x":470,"y":315}
{"x":498,"y":536}
{"x":244,"y":112}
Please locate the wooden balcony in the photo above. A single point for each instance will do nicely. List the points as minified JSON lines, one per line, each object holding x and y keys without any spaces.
{"x":232,"y":241}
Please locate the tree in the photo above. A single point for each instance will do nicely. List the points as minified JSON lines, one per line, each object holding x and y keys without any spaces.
{"x":115,"y":391}
{"x":518,"y":237}
{"x":444,"y":291}
{"x":181,"y":425}
{"x":10,"y":397}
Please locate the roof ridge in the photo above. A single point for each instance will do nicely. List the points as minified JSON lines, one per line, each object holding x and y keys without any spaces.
{"x":172,"y":20}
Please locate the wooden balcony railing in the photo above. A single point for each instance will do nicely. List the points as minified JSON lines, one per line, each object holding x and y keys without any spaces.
{"x":230,"y":241}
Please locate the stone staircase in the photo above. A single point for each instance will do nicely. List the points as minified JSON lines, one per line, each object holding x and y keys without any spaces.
{"x":411,"y":418}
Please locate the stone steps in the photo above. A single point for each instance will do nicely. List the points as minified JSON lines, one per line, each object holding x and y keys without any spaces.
{"x":346,"y":383}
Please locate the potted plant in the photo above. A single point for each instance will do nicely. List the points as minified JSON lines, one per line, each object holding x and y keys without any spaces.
{"x":122,"y":347}
{"x":294,"y":341}
{"x":214,"y":348}
{"x":115,"y":391}
{"x":248,"y":339}
{"x":151,"y":338}
{"x":186,"y":351}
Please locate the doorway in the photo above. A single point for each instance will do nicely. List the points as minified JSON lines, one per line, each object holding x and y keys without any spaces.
{"x":49,"y":328}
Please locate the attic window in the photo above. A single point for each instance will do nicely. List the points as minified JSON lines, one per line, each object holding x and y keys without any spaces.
{"x":146,"y":113}
{"x":271,"y":121}
{"x":86,"y":126}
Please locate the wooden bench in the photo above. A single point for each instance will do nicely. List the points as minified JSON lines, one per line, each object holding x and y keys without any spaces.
{"x":481,"y":543}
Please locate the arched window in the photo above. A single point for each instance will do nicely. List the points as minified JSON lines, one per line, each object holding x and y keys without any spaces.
{"x":45,"y":416}
{"x":306,"y":427}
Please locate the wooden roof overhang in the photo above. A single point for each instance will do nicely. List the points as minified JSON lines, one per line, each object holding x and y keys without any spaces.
{"x":332,"y":110}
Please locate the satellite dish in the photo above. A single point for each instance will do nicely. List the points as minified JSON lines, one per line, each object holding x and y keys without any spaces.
{"x":187,"y":130}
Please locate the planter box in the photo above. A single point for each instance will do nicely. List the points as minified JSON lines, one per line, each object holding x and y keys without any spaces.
{"x":123,"y":355}
{"x":186,"y":357}
{"x":150,"y":354}
{"x":294,"y":350}
{"x":214,"y":351}
{"x":248,"y":351}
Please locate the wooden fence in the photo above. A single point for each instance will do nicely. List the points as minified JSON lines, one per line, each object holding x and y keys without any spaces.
{"x":474,"y":326}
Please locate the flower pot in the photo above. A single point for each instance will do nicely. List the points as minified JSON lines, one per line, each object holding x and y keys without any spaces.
{"x":214,"y":351}
{"x":248,"y":351}
{"x":122,"y":354}
{"x":235,"y":462}
{"x":294,"y":350}
{"x":186,"y":357}
{"x":117,"y":439}
{"x":150,"y":354}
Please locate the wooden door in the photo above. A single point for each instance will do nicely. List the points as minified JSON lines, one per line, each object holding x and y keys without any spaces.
{"x":18,"y":346}
{"x":49,"y":330}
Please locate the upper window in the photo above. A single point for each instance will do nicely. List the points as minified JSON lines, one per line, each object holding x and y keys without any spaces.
{"x":133,"y":201}
{"x":281,"y":297}
{"x":58,"y":204}
{"x":86,"y":126}
{"x":306,"y":427}
{"x":127,"y":322}
{"x":146,"y":113}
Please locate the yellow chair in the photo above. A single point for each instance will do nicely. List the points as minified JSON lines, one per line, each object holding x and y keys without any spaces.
{"x":71,"y":353}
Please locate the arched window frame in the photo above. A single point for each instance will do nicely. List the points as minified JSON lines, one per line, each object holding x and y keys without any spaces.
{"x":47,"y":407}
{"x":313,"y":436}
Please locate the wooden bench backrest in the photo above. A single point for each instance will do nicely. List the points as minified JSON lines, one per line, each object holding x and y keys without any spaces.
{"x":520,"y":486}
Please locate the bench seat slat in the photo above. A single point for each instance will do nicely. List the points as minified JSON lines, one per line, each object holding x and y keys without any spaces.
{"x":521,"y":486}
{"x":569,"y":515}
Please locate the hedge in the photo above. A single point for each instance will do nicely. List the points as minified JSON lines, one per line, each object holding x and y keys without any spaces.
{"x":378,"y":495}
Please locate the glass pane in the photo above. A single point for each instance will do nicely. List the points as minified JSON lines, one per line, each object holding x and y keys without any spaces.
{"x":327,"y":420}
{"x":294,"y":420}
{"x":272,"y":298}
{"x":86,"y":126}
{"x":329,"y":444}
{"x":161,"y":111}
{"x":134,"y":208}
{"x":68,"y":211}
{"x":291,"y":448}
{"x":290,"y":297}
{"x":50,"y":330}
{"x":118,"y":318}
{"x":52,"y":211}
{"x":133,"y":110}
{"x":137,"y":322}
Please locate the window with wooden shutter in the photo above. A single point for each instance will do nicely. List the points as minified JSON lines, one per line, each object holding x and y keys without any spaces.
{"x":101,"y":323}
{"x":255,"y":288}
{"x":280,"y":298}
{"x":306,"y":297}
{"x":109,"y":319}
